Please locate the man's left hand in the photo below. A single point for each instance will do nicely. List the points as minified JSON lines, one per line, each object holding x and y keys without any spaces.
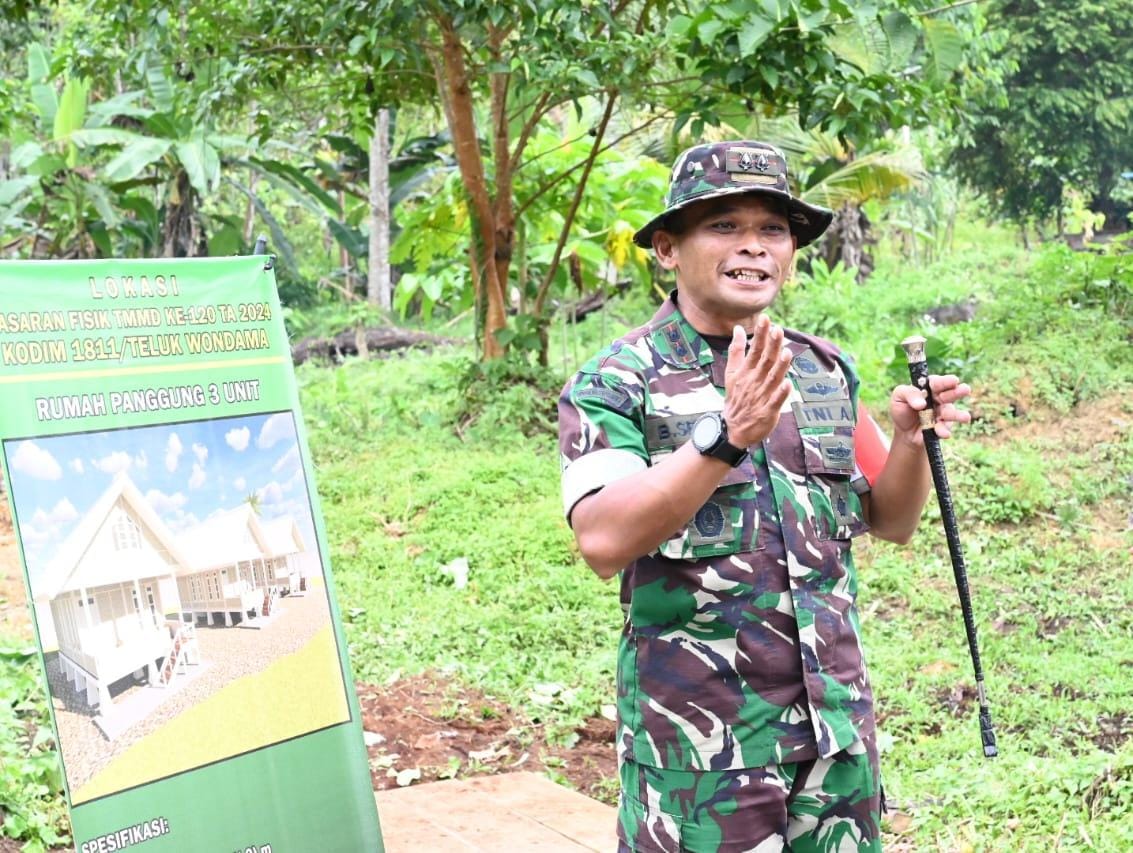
{"x":907,"y":402}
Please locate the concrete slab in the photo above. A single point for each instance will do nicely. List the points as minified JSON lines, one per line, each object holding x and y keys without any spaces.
{"x":508,"y":812}
{"x":139,"y":705}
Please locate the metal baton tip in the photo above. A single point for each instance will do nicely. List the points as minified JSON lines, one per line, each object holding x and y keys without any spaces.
{"x":987,"y":734}
{"x":914,"y":348}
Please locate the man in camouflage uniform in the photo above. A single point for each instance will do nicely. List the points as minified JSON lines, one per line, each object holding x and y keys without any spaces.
{"x":718,"y":463}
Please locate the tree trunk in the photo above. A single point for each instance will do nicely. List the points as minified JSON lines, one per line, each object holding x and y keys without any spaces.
{"x":250,"y":208}
{"x":456,"y":94}
{"x":181,"y":235}
{"x":343,"y":253}
{"x":378,"y":288}
{"x":846,"y":240}
{"x":1102,"y":201}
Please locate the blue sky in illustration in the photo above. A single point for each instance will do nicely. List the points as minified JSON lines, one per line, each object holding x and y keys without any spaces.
{"x":186,"y":471}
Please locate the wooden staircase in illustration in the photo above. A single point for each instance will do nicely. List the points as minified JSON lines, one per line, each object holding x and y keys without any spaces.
{"x":175,"y":662}
{"x":271,"y":593}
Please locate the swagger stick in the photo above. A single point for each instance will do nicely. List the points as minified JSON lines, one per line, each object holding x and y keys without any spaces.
{"x":918,"y":370}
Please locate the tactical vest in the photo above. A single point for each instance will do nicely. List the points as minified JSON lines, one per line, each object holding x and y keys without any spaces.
{"x":742,"y":644}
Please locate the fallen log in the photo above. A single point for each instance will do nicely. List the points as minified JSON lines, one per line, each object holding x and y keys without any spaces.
{"x":353,"y":342}
{"x":592,"y":302}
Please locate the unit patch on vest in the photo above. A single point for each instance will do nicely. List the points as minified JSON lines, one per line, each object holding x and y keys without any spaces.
{"x":818,"y":390}
{"x":710,"y":525}
{"x":679,"y":346}
{"x":836,"y":413}
{"x":616,"y":398}
{"x":837,"y":452}
{"x":807,"y":366}
{"x":668,"y":430}
{"x":840,"y":503}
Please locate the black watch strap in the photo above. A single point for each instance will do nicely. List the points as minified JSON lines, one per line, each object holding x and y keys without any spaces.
{"x":727,"y":451}
{"x":717,"y":446}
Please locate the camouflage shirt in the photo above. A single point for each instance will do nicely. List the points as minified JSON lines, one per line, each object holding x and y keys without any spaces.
{"x":741,"y":643}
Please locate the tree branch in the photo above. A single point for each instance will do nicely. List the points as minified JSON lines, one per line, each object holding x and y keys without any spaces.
{"x":566,"y":173}
{"x":498,"y":82}
{"x":537,"y":112}
{"x":595,"y":149}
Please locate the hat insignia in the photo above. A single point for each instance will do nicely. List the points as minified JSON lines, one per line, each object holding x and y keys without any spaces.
{"x":746,"y":163}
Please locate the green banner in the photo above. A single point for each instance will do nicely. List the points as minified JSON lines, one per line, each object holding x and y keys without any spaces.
{"x":162,"y":493}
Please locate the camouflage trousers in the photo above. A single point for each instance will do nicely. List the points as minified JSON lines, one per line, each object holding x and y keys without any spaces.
{"x":827,"y":804}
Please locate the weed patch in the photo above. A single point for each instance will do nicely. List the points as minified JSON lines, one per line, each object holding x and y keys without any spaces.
{"x":31,"y":776}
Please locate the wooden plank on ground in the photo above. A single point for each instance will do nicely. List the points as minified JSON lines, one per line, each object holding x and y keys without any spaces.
{"x":508,"y":812}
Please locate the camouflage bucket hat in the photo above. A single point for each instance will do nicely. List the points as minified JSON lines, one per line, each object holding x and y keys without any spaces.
{"x":729,"y":168}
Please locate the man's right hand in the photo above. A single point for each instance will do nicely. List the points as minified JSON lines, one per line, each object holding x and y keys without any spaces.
{"x":755,"y":383}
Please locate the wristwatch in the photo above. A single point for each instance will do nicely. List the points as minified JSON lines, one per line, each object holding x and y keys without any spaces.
{"x":710,"y":437}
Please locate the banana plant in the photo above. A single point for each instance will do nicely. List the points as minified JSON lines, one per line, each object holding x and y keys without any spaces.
{"x":55,"y":203}
{"x":123,"y":175}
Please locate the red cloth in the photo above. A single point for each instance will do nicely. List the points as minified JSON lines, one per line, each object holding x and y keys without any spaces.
{"x":871,"y":446}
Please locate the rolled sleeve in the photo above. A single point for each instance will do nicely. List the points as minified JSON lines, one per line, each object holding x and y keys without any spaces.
{"x":601,"y":439}
{"x":595,"y":471}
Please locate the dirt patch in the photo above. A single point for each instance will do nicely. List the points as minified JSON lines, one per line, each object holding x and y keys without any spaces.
{"x":424,"y":728}
{"x":15,"y":619}
{"x":1080,"y":430}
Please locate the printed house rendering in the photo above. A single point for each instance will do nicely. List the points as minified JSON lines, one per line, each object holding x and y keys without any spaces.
{"x":123,"y":596}
{"x":238,"y":566}
{"x":112,"y":593}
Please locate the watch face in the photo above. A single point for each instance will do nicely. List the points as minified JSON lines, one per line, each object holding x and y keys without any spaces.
{"x":705,"y":432}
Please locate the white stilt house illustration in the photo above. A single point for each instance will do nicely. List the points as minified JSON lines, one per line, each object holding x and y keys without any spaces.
{"x":286,"y":546}
{"x":112,"y":593}
{"x":238,"y":566}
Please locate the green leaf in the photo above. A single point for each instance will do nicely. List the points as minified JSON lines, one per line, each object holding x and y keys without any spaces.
{"x":431,"y":286}
{"x":227,"y":141}
{"x":39,"y":64}
{"x":97,"y":136}
{"x":72,"y":108}
{"x":587,"y":78}
{"x":101,"y":239}
{"x":160,"y":87}
{"x":200,"y":163}
{"x":47,"y":163}
{"x":946,"y":47}
{"x":849,"y":44}
{"x":161,"y":124}
{"x":225,"y":241}
{"x":101,"y":199}
{"x":351,"y":239}
{"x":808,"y":22}
{"x":25,"y":155}
{"x":776,"y":10}
{"x":42,"y":91}
{"x":102,"y":112}
{"x":678,"y":25}
{"x":708,"y":30}
{"x":299,"y":186}
{"x":135,"y":157}
{"x":901,"y":33}
{"x":12,"y":189}
{"x":752,"y":34}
